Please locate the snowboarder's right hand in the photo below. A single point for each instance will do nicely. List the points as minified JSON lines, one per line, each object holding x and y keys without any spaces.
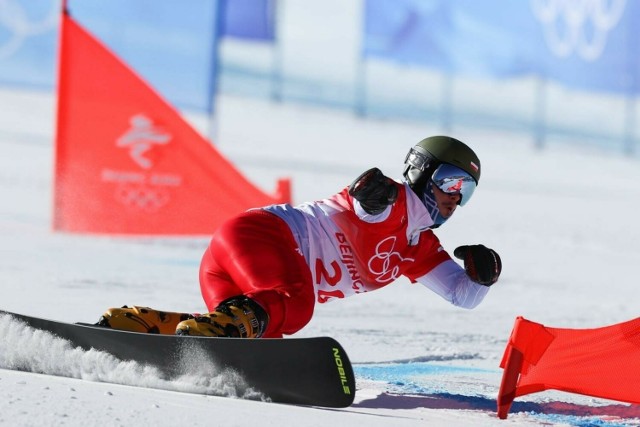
{"x":374,"y":191}
{"x":483,"y":265}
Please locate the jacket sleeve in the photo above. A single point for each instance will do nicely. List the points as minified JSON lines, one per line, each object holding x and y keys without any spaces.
{"x":450,"y":281}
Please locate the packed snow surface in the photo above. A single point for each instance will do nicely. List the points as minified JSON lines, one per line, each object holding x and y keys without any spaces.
{"x":563,"y":220}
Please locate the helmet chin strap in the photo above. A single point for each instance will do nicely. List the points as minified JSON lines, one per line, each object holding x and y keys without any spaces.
{"x":429,"y":200}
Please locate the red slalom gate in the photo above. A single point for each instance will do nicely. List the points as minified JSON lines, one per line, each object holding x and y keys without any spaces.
{"x":127,"y":162}
{"x":601,"y":362}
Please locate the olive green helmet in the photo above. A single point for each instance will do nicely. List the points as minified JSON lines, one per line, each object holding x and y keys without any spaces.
{"x":423,"y":159}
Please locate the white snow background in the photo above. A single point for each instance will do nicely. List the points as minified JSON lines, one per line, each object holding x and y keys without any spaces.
{"x":564,"y":221}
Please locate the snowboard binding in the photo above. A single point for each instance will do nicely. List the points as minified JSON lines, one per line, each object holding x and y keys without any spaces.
{"x":142,"y":319}
{"x":238,"y":317}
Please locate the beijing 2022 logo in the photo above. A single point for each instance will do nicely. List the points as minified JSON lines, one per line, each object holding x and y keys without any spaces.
{"x":578,"y":26}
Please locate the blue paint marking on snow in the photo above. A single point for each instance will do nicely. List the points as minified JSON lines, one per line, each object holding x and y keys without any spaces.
{"x":383,"y":371}
{"x":580,"y":421}
{"x":424,"y":384}
{"x":414,"y":378}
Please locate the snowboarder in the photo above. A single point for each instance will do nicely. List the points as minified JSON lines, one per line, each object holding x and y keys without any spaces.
{"x":265,"y":269}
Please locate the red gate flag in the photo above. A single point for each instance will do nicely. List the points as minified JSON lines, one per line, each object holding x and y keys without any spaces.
{"x":601,"y":362}
{"x":127,"y":162}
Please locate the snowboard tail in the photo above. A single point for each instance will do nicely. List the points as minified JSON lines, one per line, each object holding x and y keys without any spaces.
{"x":302,"y":371}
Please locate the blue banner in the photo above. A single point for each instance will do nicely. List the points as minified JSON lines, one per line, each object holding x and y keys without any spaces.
{"x":28,"y":40}
{"x":171,"y":44}
{"x":583,"y":44}
{"x":249,"y":19}
{"x":407,"y":31}
{"x":589,"y":44}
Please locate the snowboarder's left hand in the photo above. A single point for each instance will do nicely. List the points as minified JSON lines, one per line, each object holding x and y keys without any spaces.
{"x":483,"y":265}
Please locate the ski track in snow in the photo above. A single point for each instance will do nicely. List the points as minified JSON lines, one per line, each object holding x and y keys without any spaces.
{"x":421,"y":382}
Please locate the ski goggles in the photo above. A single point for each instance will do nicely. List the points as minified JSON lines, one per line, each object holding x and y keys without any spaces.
{"x":453,"y":180}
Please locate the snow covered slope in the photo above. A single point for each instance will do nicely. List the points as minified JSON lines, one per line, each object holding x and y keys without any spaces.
{"x":564,"y":222}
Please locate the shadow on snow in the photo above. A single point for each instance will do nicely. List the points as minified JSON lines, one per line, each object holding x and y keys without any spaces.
{"x":462,"y":402}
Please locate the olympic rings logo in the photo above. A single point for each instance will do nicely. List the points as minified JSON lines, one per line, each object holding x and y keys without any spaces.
{"x":15,"y":20}
{"x":141,"y":197}
{"x":580,"y":26}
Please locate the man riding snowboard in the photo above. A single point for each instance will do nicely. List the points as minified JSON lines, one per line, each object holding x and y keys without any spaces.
{"x":266,"y":268}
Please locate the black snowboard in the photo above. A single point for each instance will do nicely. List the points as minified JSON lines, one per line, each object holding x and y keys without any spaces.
{"x":302,"y":371}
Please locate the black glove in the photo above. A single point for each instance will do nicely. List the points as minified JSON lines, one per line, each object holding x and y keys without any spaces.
{"x":483,"y":265}
{"x":374,"y":191}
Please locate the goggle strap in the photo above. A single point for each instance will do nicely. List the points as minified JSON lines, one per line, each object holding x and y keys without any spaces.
{"x":418,"y":159}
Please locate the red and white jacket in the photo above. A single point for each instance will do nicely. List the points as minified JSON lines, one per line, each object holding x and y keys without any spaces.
{"x":350,"y":251}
